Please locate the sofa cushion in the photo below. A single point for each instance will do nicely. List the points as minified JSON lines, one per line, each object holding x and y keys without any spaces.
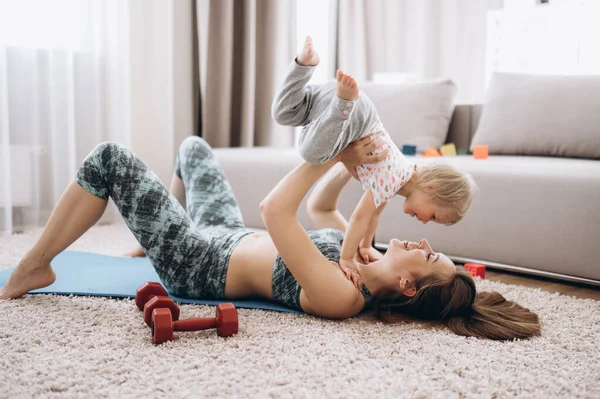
{"x":418,"y":113}
{"x":541,"y":115}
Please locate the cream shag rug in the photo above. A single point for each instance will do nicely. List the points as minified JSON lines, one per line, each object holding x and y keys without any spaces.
{"x":57,"y":346}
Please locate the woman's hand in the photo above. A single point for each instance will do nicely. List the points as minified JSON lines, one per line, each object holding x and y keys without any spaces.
{"x":360,"y":152}
{"x":350,"y":268}
{"x":369,"y":255}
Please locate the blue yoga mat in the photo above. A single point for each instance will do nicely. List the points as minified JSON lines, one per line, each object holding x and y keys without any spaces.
{"x":88,"y":274}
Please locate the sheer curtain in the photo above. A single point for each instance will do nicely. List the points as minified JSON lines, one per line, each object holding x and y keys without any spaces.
{"x":74,"y":73}
{"x":414,"y":39}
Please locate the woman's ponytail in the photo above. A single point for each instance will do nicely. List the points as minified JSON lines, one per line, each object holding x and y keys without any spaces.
{"x":493,"y":317}
{"x":456,"y":302}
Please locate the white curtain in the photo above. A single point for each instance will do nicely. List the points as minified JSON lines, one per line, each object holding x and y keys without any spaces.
{"x":414,"y":39}
{"x":74,"y":73}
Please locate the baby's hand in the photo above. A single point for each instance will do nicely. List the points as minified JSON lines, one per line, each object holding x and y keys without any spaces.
{"x":369,"y":255}
{"x":350,"y":268}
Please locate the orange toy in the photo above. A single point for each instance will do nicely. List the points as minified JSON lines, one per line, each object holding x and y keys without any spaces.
{"x":432,"y":152}
{"x":475,"y":269}
{"x":480,"y":151}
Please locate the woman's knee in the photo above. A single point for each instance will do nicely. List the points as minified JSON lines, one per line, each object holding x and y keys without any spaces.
{"x":194,"y":145}
{"x":102,"y":167}
{"x":109,"y":149}
{"x":115,"y":151}
{"x":193,"y":151}
{"x":105,"y":152}
{"x":108,"y":155}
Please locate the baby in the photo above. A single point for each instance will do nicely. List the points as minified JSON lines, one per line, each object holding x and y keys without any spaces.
{"x":334,"y":116}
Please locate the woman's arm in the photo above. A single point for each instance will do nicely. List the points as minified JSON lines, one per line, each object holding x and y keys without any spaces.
{"x":325,"y":292}
{"x":323,"y":202}
{"x":322,"y":205}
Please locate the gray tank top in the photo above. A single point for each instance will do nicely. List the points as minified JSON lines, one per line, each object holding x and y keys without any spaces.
{"x":286,"y":289}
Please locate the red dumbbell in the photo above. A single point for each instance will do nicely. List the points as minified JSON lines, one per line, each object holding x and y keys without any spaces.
{"x":147,"y":291}
{"x":163,"y":325}
{"x":152,"y":295}
{"x":159,"y":302}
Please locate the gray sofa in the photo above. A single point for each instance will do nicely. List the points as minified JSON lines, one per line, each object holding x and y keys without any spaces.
{"x":537,"y":215}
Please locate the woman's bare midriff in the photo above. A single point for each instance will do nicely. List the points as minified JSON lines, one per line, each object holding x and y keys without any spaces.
{"x":250,"y":271}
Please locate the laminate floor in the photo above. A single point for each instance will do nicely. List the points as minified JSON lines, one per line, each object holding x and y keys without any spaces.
{"x":546,"y":284}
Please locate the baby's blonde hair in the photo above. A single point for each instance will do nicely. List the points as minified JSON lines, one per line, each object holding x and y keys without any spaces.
{"x":448,"y":187}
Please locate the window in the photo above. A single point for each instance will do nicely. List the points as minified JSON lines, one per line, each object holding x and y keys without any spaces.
{"x":313,"y":20}
{"x":560,"y":37}
{"x":40,"y":23}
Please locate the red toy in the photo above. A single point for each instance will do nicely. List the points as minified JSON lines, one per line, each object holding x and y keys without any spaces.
{"x":476,"y":269}
{"x":226,"y":323}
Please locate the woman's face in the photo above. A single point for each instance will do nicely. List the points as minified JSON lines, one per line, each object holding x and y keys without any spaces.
{"x":413,"y":261}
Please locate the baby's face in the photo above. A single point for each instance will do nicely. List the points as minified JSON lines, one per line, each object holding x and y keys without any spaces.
{"x":419,"y":205}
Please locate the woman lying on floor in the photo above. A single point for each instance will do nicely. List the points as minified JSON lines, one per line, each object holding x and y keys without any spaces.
{"x":207,"y":252}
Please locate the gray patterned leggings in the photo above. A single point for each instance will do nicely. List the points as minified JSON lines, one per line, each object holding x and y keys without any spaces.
{"x":189,"y":250}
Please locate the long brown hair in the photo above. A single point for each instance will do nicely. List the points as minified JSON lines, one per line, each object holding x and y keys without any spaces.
{"x":457,"y":304}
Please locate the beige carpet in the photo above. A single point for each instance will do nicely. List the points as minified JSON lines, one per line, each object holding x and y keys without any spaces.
{"x":56,"y":346}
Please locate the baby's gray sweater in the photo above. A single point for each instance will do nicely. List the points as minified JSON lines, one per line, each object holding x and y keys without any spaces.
{"x":327,"y":129}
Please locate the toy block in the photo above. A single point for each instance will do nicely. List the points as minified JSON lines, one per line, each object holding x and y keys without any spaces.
{"x":432,"y":152}
{"x":462,"y":151}
{"x":448,"y":150}
{"x":480,"y":151}
{"x":475,"y":269}
{"x":409,"y":149}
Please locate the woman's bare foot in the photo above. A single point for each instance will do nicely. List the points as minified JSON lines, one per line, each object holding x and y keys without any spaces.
{"x":29,"y":275}
{"x":136,"y":253}
{"x":308,"y":56}
{"x":347,"y":88}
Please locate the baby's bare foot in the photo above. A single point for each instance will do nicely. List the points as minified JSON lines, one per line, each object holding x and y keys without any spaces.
{"x":29,"y":275}
{"x":308,"y":56}
{"x":136,"y":253}
{"x":347,"y":89}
